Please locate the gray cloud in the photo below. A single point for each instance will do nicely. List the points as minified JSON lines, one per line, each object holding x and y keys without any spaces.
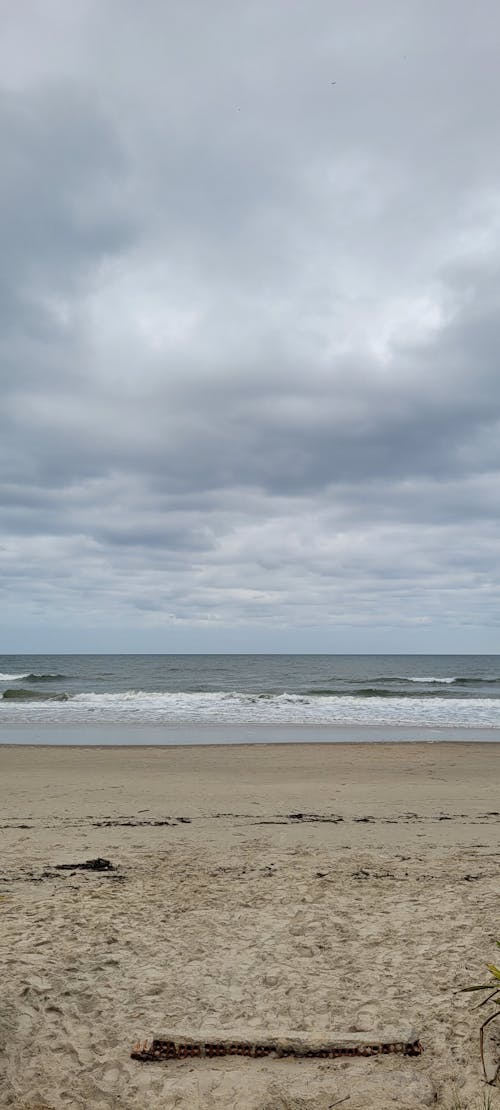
{"x":249,"y":294}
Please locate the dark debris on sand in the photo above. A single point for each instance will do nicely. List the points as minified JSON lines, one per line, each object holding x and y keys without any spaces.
{"x":88,"y":865}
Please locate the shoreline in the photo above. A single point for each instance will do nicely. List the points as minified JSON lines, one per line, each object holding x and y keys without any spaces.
{"x":129,"y":734}
{"x":250,"y":745}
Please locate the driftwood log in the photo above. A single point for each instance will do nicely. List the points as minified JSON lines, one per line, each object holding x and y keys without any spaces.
{"x":175,"y":1047}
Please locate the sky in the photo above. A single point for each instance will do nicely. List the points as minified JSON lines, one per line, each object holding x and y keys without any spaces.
{"x":250,"y":327}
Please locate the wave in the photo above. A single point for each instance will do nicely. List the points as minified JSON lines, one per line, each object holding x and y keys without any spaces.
{"x":374,"y":692}
{"x":429,"y":679}
{"x":440,"y":680}
{"x":360,"y":692}
{"x":34,"y":677}
{"x":477,"y":681}
{"x":20,"y":694}
{"x":238,"y":708}
{"x":381,"y":692}
{"x":206,"y":699}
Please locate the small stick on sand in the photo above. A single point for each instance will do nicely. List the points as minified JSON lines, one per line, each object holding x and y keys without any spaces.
{"x":174,"y":1047}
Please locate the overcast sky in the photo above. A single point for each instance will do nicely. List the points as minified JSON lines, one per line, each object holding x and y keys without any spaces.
{"x":250,"y":325}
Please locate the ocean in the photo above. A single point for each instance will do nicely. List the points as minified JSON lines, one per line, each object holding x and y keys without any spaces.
{"x":241,"y":698}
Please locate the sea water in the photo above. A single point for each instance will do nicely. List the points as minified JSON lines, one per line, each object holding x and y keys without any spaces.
{"x":237,"y":698}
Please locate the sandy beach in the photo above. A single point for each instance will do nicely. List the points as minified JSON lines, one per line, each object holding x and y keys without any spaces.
{"x":322,"y":888}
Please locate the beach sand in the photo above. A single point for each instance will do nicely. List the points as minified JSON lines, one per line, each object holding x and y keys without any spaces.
{"x":321,"y":888}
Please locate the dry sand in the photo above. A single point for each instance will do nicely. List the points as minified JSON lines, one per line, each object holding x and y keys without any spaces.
{"x":228,"y":913}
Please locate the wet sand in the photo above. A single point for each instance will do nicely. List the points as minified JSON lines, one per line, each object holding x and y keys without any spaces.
{"x":338,"y":889}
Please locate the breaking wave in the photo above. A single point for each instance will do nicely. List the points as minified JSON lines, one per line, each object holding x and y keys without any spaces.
{"x":235,"y":707}
{"x":31,"y":676}
{"x":453,"y":680}
{"x":34,"y":677}
{"x":20,"y":694}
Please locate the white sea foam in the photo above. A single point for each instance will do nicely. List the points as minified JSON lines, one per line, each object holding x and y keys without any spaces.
{"x":428,"y":678}
{"x":12,"y":677}
{"x":243,"y":708}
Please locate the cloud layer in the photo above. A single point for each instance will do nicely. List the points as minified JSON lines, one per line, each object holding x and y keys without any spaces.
{"x":250,"y":326}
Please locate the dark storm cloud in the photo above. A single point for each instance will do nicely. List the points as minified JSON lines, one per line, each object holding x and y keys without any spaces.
{"x":249,"y":293}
